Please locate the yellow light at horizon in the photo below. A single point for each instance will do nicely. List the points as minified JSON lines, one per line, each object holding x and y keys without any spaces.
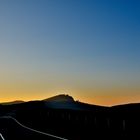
{"x":98,"y":96}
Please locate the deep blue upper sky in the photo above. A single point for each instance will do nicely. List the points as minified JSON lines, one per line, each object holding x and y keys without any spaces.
{"x":70,"y":44}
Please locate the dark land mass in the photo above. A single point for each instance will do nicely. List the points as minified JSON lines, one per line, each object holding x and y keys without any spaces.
{"x":73,"y":120}
{"x":13,"y":102}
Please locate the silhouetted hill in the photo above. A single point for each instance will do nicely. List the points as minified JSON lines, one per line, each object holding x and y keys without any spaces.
{"x":67,"y":102}
{"x":63,"y":116}
{"x":60,"y":98}
{"x":61,"y":102}
{"x":13,"y":102}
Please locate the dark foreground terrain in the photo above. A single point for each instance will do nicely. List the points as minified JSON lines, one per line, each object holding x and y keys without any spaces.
{"x":61,"y":117}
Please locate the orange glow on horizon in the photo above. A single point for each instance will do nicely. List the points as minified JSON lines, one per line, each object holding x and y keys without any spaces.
{"x":96,"y":101}
{"x":105,"y":97}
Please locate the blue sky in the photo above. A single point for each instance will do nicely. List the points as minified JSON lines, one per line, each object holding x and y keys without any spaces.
{"x":83,"y":48}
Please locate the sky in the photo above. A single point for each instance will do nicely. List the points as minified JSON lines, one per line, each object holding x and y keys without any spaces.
{"x":89,"y":49}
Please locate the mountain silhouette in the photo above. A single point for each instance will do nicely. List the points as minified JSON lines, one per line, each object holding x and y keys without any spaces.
{"x":62,"y":116}
{"x":61,"y":102}
{"x":60,"y":98}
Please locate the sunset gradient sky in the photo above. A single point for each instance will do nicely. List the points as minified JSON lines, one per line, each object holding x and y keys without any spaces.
{"x":89,"y":49}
